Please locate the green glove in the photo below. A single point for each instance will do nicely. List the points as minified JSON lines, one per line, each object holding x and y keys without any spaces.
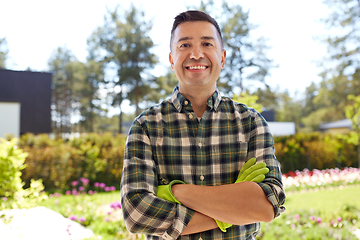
{"x":222,"y":225}
{"x":164,"y":191}
{"x":249,"y":172}
{"x":252,"y":172}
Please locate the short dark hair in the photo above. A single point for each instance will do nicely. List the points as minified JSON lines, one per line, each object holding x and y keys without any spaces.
{"x":192,"y":16}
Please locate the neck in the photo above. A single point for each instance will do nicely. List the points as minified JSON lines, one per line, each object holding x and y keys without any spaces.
{"x":198,"y":99}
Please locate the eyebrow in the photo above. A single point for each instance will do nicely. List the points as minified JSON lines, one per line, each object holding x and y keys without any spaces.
{"x":189,"y":38}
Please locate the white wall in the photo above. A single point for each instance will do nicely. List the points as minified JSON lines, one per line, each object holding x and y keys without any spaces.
{"x":9,"y":119}
{"x":282,"y":128}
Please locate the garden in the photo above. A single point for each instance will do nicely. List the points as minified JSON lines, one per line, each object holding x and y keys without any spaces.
{"x":78,"y":179}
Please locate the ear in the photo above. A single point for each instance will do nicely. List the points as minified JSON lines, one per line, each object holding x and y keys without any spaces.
{"x":223,"y":57}
{"x":171,"y":61}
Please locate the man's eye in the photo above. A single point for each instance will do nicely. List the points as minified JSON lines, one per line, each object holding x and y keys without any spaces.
{"x":185,"y":45}
{"x":207,"y":44}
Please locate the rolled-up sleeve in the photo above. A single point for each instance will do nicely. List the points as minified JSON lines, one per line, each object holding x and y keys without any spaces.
{"x":261,"y":146}
{"x":144,"y":212}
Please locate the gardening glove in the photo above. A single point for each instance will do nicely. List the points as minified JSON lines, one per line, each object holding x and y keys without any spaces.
{"x":164,"y":191}
{"x":252,"y":172}
{"x":249,"y":172}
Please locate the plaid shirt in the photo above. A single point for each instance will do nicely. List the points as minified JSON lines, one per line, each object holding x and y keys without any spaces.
{"x":168,"y":142}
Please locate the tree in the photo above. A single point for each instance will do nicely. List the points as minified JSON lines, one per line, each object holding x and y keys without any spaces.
{"x":92,"y":78}
{"x":343,"y":38}
{"x":3,"y":52}
{"x":63,"y":66}
{"x":127,"y":48}
{"x":246,"y":57}
{"x":341,"y":74}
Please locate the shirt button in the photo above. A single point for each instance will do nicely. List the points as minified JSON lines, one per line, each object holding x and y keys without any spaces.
{"x":186,"y":102}
{"x":200,"y":144}
{"x":190,"y":116}
{"x":202,"y":177}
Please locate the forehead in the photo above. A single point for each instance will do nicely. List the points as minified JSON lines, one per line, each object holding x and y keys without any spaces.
{"x":194,"y":30}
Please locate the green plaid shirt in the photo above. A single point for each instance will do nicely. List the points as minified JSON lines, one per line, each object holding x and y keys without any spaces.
{"x":168,"y":142}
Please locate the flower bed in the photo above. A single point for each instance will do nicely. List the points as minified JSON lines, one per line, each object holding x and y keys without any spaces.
{"x":306,"y":179}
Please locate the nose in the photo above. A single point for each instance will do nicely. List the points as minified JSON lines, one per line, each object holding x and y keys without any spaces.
{"x":196,"y":53}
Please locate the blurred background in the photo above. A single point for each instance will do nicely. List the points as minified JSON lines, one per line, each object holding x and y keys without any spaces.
{"x":109,"y":59}
{"x":75,"y":74}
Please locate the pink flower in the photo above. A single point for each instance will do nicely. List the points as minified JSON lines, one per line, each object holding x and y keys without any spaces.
{"x":102,"y":185}
{"x":339,"y":219}
{"x":82,"y":219}
{"x":68,"y":192}
{"x":112,"y":188}
{"x":72,"y":217}
{"x":5,"y":199}
{"x":96,"y":184}
{"x":312,"y":218}
{"x":106,"y":219}
{"x":107,"y":189}
{"x":115,"y":205}
{"x":319,"y":220}
{"x":297,"y":216}
{"x":81,"y":188}
{"x":90,"y":192}
{"x":85,"y":181}
{"x":74,"y":183}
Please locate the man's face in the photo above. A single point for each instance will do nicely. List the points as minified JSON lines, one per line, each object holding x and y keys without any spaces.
{"x":196,"y":55}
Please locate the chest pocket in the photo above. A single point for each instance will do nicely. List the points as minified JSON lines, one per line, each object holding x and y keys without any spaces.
{"x":227,"y":160}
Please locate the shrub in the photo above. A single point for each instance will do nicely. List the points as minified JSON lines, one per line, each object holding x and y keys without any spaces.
{"x":12,"y":193}
{"x":314,"y":151}
{"x":58,"y":162}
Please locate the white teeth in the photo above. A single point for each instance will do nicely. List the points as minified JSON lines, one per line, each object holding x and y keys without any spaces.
{"x":197,"y":67}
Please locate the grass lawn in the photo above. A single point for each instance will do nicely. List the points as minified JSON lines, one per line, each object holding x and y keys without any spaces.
{"x":324,"y":200}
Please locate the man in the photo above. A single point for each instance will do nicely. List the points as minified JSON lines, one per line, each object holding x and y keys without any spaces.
{"x":187,"y":173}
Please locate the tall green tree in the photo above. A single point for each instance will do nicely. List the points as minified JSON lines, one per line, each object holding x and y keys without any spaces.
{"x":65,"y":71}
{"x":88,"y":90}
{"x":246,"y":58}
{"x":124,"y":39}
{"x":341,"y":65}
{"x":3,"y":52}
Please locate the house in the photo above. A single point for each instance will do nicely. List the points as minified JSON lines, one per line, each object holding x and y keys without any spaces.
{"x":25,"y":102}
{"x":278,"y":128}
{"x":342,"y":126}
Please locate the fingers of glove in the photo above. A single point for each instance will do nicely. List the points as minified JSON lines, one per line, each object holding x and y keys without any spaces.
{"x":261,"y":171}
{"x":222,"y":225}
{"x":247,"y":165}
{"x":245,"y":175}
{"x":258,"y":178}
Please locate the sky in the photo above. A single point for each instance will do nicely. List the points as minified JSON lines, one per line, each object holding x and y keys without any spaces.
{"x":34,"y":29}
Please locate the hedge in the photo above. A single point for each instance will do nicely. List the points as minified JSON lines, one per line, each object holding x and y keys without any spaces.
{"x":99,"y":158}
{"x":59,"y":162}
{"x":315,"y":151}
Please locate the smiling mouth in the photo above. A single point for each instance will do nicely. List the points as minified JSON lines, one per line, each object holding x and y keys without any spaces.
{"x":197,"y":67}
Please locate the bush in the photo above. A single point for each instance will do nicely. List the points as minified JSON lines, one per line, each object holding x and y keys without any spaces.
{"x":12,"y":193}
{"x":96,"y":157}
{"x":11,"y":163}
{"x":314,"y":151}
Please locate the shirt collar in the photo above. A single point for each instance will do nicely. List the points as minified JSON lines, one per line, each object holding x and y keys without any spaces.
{"x":178,"y":99}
